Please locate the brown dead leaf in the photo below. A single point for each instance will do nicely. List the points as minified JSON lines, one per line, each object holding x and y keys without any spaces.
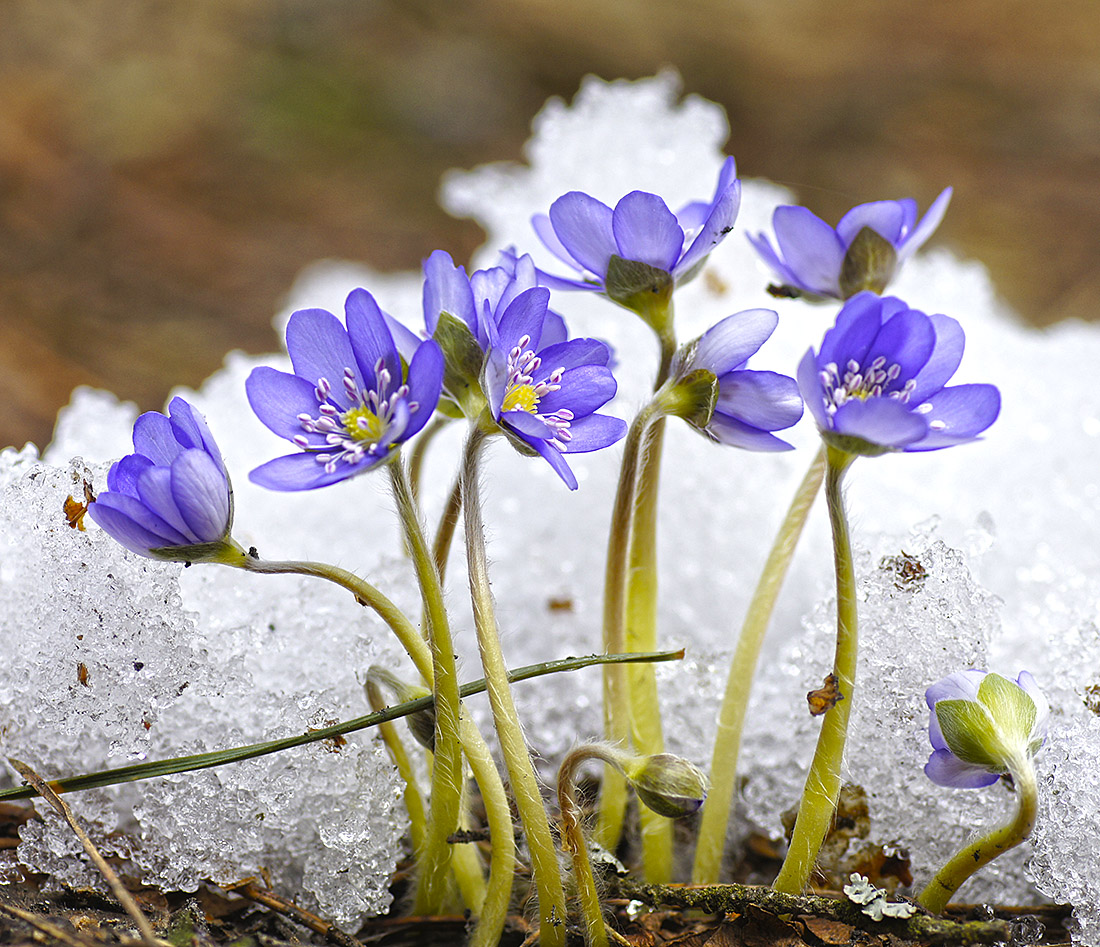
{"x":826,"y":931}
{"x":825,"y":697}
{"x":75,"y":510}
{"x":761,"y":928}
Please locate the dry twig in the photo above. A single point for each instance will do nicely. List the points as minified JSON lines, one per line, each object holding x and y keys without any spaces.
{"x":117,"y":889}
{"x":270,"y":899}
{"x":48,"y":927}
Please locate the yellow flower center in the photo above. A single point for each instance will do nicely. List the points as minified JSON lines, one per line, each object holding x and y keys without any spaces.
{"x":362,"y":424}
{"x":521,"y":398}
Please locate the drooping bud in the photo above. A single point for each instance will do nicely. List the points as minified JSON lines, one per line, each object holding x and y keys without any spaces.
{"x":421,"y":723}
{"x":668,"y":784}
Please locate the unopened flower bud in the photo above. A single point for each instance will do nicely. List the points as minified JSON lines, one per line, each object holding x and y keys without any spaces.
{"x":669,"y":785}
{"x":422,"y":722}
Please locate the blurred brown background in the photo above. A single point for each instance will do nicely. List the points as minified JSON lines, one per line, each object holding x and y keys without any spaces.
{"x":166,"y":168}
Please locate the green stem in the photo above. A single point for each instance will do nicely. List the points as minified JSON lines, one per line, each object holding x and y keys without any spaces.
{"x":982,"y":851}
{"x":731,"y":718}
{"x":502,"y":839}
{"x":822,"y":789}
{"x":445,"y":531}
{"x":513,"y":747}
{"x":419,"y":451}
{"x":573,"y":841}
{"x":641,"y":626}
{"x":641,"y":620}
{"x":434,"y":859}
{"x":365,"y":594}
{"x":616,"y":692}
{"x":414,"y":802}
{"x":150,"y":769}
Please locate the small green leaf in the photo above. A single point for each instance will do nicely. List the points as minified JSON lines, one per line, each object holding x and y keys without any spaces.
{"x":641,"y":288}
{"x":693,"y":397}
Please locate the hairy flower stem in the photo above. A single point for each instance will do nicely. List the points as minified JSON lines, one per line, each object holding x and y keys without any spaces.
{"x":641,"y":627}
{"x":445,"y":531}
{"x":819,"y":797}
{"x":513,"y":747}
{"x":494,"y":899}
{"x":434,"y":859}
{"x":420,"y":449}
{"x":414,"y":802}
{"x":641,"y":619}
{"x":982,"y":851}
{"x":573,"y":841}
{"x":616,"y":692}
{"x":731,"y":718}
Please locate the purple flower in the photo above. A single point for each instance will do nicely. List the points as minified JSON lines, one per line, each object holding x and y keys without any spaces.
{"x":749,"y":404}
{"x":877,"y":384}
{"x":171,"y":498}
{"x":587,"y":235}
{"x":981,"y":725}
{"x":545,"y":395}
{"x":350,"y":403}
{"x":864,"y":251}
{"x":484,"y":296}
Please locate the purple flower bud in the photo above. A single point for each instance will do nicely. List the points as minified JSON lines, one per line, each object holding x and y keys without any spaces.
{"x":877,"y":383}
{"x":350,"y":403}
{"x":171,"y":498}
{"x":864,"y":251}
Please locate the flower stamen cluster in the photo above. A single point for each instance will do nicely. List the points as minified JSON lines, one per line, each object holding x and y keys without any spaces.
{"x":857,"y":383}
{"x":523,"y":393}
{"x":377,"y":416}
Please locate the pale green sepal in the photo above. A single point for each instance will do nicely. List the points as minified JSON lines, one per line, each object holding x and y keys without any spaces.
{"x":869,"y":264}
{"x":692,"y":397}
{"x":462,"y":362}
{"x":449,"y":408}
{"x":1011,"y":707}
{"x":972,"y":734}
{"x":641,"y":288}
{"x":850,"y":444}
{"x":226,"y":551}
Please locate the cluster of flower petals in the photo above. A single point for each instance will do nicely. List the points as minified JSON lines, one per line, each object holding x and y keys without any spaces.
{"x":173,"y":492}
{"x":585,"y":233}
{"x":809,"y":254}
{"x":751,"y":404}
{"x":877,"y":384}
{"x":349,"y":403}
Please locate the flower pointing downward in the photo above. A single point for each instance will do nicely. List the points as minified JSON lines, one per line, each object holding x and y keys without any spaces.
{"x":982,"y":726}
{"x":863,"y":251}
